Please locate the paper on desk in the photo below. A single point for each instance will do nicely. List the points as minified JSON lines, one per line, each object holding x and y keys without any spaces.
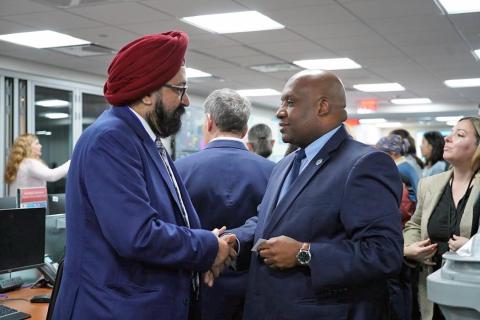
{"x":259,"y":242}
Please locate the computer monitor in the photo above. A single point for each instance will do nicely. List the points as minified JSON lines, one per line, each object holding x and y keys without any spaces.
{"x":8,"y":203}
{"x":22,"y":238}
{"x":55,"y":228}
{"x":56,"y":203}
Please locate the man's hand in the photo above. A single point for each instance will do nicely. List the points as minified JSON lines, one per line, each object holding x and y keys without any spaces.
{"x":421,"y":251}
{"x":280,"y":252}
{"x":456,"y":242}
{"x":225,"y":254}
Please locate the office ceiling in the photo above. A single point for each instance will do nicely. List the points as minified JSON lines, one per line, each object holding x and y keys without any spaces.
{"x":405,"y":41}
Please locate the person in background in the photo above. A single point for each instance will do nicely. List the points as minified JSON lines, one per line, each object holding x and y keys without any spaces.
{"x":226,"y":183}
{"x":411,"y":153}
{"x":432,"y":151}
{"x":328,"y":232}
{"x":25,"y":168}
{"x":260,"y":140}
{"x":445,"y":217}
{"x":396,"y":147}
{"x":134,"y":244}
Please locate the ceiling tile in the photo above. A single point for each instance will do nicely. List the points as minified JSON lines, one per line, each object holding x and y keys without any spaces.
{"x":187,"y":8}
{"x":16,"y":7}
{"x":118,"y":13}
{"x":56,"y":20}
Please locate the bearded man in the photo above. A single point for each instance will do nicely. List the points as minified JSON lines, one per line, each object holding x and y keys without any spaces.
{"x":134,"y":246}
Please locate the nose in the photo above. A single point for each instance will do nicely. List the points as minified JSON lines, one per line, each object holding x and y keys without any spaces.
{"x":185,"y":100}
{"x":281,"y":113}
{"x":448,"y":138}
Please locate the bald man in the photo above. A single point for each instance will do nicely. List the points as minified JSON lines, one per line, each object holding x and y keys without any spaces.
{"x":329,"y":216}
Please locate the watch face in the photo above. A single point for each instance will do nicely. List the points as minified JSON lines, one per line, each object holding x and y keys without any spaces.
{"x":304,"y":257}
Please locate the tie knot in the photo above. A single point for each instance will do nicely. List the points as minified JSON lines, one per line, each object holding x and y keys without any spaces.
{"x":300,"y":155}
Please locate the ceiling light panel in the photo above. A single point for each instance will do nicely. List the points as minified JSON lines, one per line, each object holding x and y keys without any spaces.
{"x":258,"y":92}
{"x":195,"y":73}
{"x":379,"y":87}
{"x":43,"y":39}
{"x":411,"y":101}
{"x":234,"y":22}
{"x":328,"y":64}
{"x":463,"y":83}
{"x":459,"y":6}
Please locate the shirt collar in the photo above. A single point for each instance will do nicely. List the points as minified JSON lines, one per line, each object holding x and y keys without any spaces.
{"x":144,"y":124}
{"x":229,"y":138}
{"x":313,"y":148}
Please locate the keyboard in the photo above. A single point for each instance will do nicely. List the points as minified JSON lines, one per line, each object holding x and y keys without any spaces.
{"x":10,"y":284}
{"x":7,"y":313}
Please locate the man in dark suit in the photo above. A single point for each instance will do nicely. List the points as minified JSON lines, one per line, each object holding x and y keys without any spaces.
{"x":329,"y":216}
{"x":134,"y":243}
{"x":226,"y":183}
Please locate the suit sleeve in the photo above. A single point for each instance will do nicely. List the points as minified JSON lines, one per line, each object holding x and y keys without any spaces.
{"x":115,"y":182}
{"x":412,"y":231}
{"x":373,"y":247}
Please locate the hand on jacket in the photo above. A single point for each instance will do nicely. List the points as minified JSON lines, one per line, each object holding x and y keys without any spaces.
{"x":280,"y":252}
{"x":456,"y":242}
{"x":421,"y":251}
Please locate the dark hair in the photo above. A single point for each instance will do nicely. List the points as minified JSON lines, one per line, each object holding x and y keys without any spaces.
{"x":436,"y":140}
{"x":412,"y":148}
{"x":260,"y":137}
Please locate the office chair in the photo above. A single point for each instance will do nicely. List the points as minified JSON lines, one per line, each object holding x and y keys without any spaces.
{"x":56,"y":289}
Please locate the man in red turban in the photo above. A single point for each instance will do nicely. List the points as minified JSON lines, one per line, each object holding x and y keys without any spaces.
{"x":135,"y":247}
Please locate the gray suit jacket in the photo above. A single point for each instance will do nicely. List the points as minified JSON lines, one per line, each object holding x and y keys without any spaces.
{"x":430,"y":190}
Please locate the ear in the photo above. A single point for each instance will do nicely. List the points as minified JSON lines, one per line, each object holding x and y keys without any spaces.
{"x":323,"y":107}
{"x":244,"y":132}
{"x":149,"y":99}
{"x":209,"y":122}
{"x":249,"y":146}
{"x":273,"y":142}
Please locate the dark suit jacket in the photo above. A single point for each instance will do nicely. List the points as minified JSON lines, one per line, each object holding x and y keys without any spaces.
{"x":129,"y":254}
{"x":345,"y":203}
{"x":226,"y":183}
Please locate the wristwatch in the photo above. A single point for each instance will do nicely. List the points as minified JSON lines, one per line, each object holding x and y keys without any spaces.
{"x":304,"y":256}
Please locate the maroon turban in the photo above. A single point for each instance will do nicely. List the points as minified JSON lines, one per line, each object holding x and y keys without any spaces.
{"x":144,"y":65}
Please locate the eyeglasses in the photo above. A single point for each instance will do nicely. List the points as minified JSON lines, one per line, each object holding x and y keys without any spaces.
{"x":180,"y":89}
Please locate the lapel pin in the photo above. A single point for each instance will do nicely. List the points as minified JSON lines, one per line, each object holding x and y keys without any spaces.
{"x":319,"y":162}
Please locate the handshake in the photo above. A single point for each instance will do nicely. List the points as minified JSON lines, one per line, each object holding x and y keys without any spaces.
{"x":227,"y":244}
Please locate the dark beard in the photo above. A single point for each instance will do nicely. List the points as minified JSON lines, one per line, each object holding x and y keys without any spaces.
{"x":164,"y":123}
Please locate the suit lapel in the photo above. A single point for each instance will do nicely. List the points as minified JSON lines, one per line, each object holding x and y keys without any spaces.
{"x":318,"y":162}
{"x":127,"y":116}
{"x":466,"y":222}
{"x":432,"y":195}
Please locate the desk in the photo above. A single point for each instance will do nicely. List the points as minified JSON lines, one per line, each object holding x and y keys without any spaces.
{"x":37,"y":310}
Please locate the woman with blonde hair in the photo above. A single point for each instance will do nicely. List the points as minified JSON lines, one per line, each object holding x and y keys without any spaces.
{"x":445,"y":218}
{"x":25,"y":169}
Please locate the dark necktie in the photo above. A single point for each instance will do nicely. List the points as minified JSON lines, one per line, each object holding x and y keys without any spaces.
{"x":164,"y":157}
{"x":299,"y":156}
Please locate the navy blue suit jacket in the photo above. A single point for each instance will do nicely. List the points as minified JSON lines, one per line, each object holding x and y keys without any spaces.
{"x":345,"y":203}
{"x":226,"y":183}
{"x":129,"y":254}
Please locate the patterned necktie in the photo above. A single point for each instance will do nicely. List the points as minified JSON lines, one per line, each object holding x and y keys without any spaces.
{"x":299,"y":156}
{"x":164,"y":157}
